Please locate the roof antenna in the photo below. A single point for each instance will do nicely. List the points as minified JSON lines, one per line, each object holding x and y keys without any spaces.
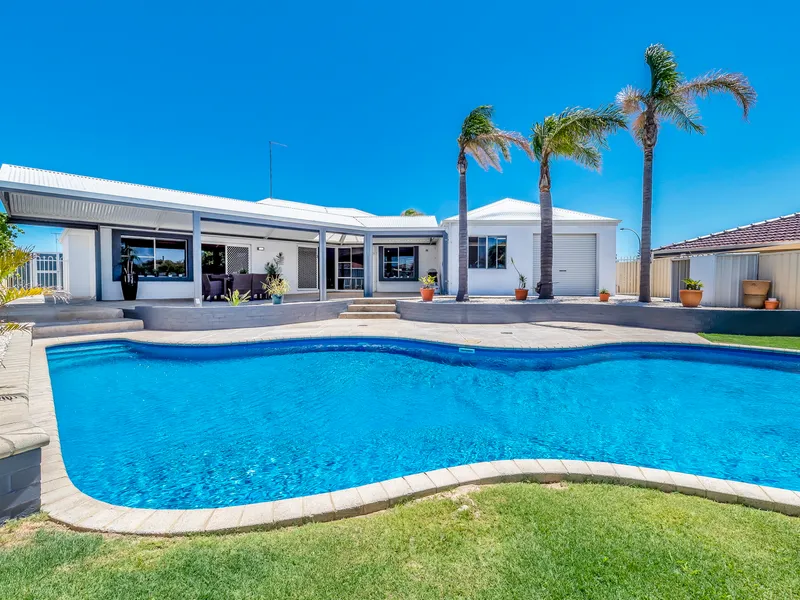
{"x":270,"y":163}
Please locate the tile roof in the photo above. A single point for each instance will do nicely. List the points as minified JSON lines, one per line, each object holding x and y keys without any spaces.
{"x":510,"y":209}
{"x":772,"y":231}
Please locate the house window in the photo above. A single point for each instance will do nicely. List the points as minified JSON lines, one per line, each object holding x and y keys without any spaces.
{"x":487,"y":252}
{"x":351,"y":268}
{"x":152,"y":258}
{"x":399,"y":263}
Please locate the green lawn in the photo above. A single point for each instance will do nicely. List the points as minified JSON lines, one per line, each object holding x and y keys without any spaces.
{"x":775,"y":341}
{"x":508,"y":541}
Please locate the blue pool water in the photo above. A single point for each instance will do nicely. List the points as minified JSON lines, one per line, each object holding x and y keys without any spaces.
{"x":189,"y":427}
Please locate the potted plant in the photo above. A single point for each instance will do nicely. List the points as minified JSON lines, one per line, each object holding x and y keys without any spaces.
{"x":277,"y":288}
{"x":772,"y":304}
{"x":604,"y":295}
{"x":234,"y":298}
{"x":521,"y":292}
{"x":691,"y":296}
{"x":428,"y":287}
{"x":129,"y":280}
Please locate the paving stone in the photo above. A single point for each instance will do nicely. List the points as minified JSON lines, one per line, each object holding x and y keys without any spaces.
{"x":373,"y":497}
{"x":130,"y":521}
{"x":224,"y":519}
{"x":318,"y":508}
{"x":442,"y":479}
{"x":258,"y":516}
{"x":751,"y":495}
{"x":786,"y":501}
{"x":531,"y":469}
{"x":508,"y":469}
{"x":603,"y":472}
{"x":347,"y":503}
{"x":288,"y":512}
{"x":464,"y":475}
{"x":554,"y":470}
{"x":629,"y":475}
{"x":420,"y":485}
{"x":101,"y":519}
{"x":658,"y":479}
{"x":718,"y":489}
{"x":486,"y":472}
{"x":191,"y":521}
{"x":160,"y":522}
{"x":688,"y":484}
{"x":397,"y":489}
{"x":578,"y":470}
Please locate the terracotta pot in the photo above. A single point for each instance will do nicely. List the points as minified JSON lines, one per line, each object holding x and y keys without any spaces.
{"x":427,"y":294}
{"x":756,"y":286}
{"x":604,"y":297}
{"x":521,"y":293}
{"x":691,"y":298}
{"x":772,"y":304}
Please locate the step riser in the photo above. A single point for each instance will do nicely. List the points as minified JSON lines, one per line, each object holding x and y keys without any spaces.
{"x":59,"y":330}
{"x":371,"y":308}
{"x":369,"y":315}
{"x":46,"y":316}
{"x":374,"y":301}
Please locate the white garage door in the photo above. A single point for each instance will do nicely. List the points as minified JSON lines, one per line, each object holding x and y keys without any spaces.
{"x":574,"y":264}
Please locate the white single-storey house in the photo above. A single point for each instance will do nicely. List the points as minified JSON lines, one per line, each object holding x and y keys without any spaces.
{"x":180,"y":238}
{"x":584,"y":249}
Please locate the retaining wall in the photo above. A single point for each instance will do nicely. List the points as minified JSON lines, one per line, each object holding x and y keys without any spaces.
{"x":205,"y":318}
{"x":707,"y":320}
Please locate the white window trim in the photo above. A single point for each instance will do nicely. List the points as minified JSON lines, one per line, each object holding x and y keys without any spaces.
{"x":486,"y":237}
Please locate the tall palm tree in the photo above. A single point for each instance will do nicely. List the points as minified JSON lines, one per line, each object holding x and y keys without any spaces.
{"x":483,"y":141}
{"x":577,"y":134}
{"x":671,"y":98}
{"x":411,"y":212}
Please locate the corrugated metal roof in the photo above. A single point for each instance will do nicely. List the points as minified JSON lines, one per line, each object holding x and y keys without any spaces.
{"x":510,"y":209}
{"x":349,"y":212}
{"x":28,"y":182}
{"x":418,"y":222}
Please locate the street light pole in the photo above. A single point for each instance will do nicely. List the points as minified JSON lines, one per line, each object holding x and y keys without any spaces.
{"x":270,"y":163}
{"x":637,"y":237}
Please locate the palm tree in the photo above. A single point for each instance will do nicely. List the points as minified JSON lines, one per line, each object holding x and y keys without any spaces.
{"x":483,"y":141}
{"x":671,"y":98}
{"x":411,"y":212}
{"x":578,"y":134}
{"x":10,"y":261}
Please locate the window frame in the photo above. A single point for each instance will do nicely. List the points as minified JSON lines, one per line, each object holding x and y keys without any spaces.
{"x":116,"y":244}
{"x":485,"y":239}
{"x":381,"y":263}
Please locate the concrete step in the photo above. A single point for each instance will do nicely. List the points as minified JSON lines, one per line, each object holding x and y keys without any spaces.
{"x":374,"y":301}
{"x":372,"y":308}
{"x":62,"y":314}
{"x":369,"y":315}
{"x":82,"y":327}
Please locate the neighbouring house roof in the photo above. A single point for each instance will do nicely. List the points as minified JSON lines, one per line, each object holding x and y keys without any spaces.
{"x":509,"y":209}
{"x":50,"y":195}
{"x":763,"y":233}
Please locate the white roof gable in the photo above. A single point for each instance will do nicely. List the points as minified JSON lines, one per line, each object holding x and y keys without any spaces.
{"x":509,"y":209}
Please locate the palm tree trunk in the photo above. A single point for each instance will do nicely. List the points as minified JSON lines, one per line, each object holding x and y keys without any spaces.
{"x":546,"y":253}
{"x":647,"y":224}
{"x":463,"y":233}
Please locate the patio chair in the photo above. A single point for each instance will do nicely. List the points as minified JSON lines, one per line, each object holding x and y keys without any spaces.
{"x":242,"y":282}
{"x":258,"y":290}
{"x":212,"y":288}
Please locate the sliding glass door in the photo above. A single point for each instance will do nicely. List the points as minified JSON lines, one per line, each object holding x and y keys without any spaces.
{"x":350,"y":268}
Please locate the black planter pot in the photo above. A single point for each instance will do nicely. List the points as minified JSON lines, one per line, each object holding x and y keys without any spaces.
{"x":129,"y":290}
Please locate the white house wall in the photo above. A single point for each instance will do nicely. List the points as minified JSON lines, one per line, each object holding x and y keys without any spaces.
{"x":519,"y":240}
{"x":80,"y":279}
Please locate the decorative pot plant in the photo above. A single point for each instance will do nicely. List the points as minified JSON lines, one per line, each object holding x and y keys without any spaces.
{"x":234,"y":298}
{"x":521,"y":292}
{"x":691,"y":296}
{"x":277,"y":288}
{"x":428,"y":287}
{"x":772,"y":304}
{"x":604,"y":295}
{"x":129,"y":280}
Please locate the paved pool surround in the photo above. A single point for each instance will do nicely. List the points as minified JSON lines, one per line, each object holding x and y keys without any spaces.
{"x":68,"y":505}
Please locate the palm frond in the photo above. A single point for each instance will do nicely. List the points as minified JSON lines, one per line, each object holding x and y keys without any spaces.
{"x":10,"y":326}
{"x":13,"y":259}
{"x":664,"y":75}
{"x":587,"y":155}
{"x":9,"y":295}
{"x":735,"y":84}
{"x":637,"y":128}
{"x":630,"y":100}
{"x":485,"y":142}
{"x":680,"y":111}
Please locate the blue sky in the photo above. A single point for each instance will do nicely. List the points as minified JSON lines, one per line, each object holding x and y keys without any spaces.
{"x":369,"y":97}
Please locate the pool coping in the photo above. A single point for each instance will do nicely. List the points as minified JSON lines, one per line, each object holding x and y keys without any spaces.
{"x":66,"y":504}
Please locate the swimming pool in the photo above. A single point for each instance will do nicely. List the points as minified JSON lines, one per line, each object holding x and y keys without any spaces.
{"x":153,"y":426}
